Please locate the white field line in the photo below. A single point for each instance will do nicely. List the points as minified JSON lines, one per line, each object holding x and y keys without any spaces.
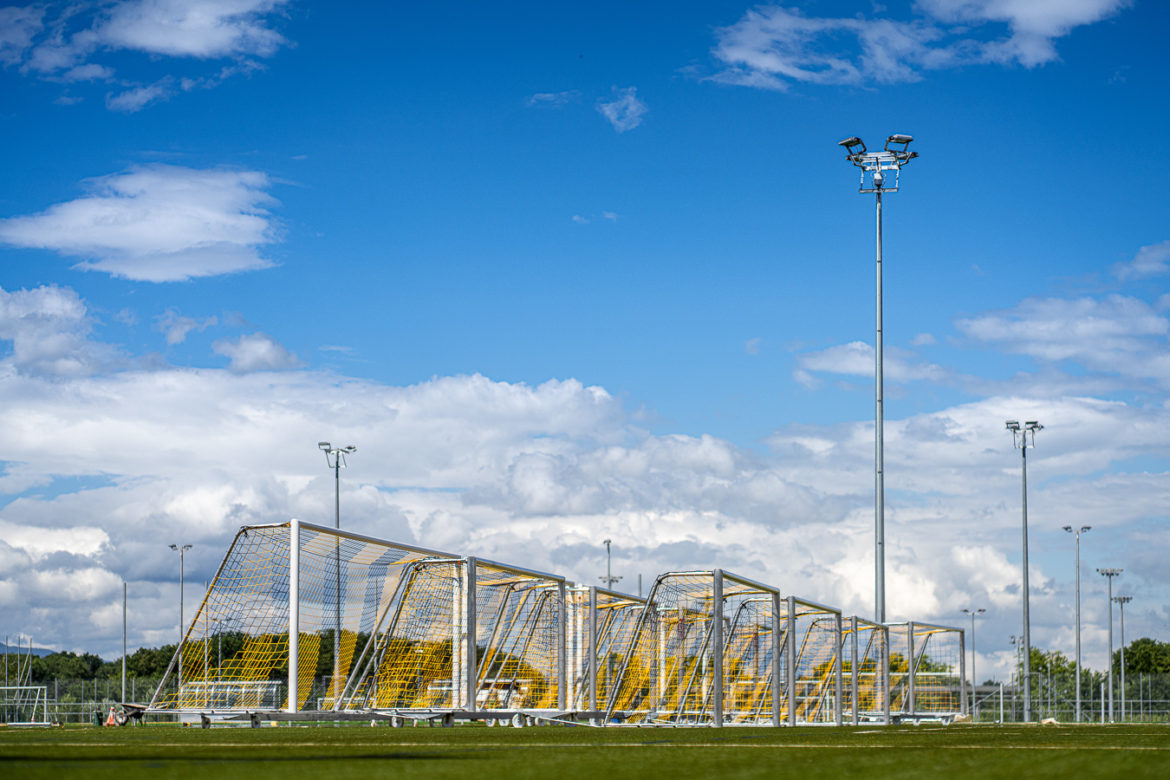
{"x":568,"y":745}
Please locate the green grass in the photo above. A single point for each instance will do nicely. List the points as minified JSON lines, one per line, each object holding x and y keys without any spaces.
{"x":476,"y":753}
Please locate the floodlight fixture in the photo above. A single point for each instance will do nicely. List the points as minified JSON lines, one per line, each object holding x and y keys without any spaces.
{"x":1012,"y":425}
{"x":875,"y":168}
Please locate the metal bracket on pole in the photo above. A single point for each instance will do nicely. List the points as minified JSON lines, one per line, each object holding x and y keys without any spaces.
{"x":294,"y":616}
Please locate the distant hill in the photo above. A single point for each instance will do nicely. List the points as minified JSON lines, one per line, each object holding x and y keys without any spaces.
{"x":13,"y":650}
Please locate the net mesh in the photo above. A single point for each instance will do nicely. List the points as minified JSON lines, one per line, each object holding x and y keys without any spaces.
{"x":391,"y":627}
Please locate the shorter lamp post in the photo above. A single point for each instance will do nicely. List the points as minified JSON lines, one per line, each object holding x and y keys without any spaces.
{"x":974,"y":677}
{"x":1121,"y":602}
{"x":181,"y":550}
{"x":1077,"y":533}
{"x":608,"y":579}
{"x":1109,"y":574}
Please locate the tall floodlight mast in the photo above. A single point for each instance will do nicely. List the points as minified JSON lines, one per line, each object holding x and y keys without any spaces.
{"x":875,"y":166}
{"x":1020,"y":439}
{"x":335,"y":458}
{"x":1077,"y":533}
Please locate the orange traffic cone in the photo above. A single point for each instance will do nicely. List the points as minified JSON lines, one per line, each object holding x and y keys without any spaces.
{"x":112,"y":720}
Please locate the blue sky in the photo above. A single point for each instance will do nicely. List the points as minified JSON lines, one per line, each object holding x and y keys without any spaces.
{"x":570,"y":271}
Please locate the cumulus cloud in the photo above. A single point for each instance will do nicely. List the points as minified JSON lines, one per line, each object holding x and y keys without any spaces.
{"x":49,"y":330}
{"x":17,"y":28}
{"x":772,"y":47}
{"x":256,"y":352}
{"x":1117,"y":334}
{"x":625,"y":111}
{"x":553,"y":99}
{"x":177,"y":327}
{"x":107,"y":468}
{"x":857,"y":359}
{"x":157,"y":223}
{"x":64,"y":47}
{"x":1153,"y":260}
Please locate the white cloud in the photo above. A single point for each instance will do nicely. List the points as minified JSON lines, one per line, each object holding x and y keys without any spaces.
{"x":625,"y":112}
{"x":135,"y":459}
{"x":49,"y":329}
{"x":137,"y":98}
{"x":923,"y":340}
{"x":752,"y":346}
{"x":580,"y":220}
{"x":18,"y":26}
{"x":553,"y":99}
{"x":256,"y":352}
{"x":203,"y":29}
{"x":857,"y":359}
{"x":1116,"y":335}
{"x":157,"y":223}
{"x":774,"y":46}
{"x":1153,"y":260}
{"x":238,"y":30}
{"x":177,"y":327}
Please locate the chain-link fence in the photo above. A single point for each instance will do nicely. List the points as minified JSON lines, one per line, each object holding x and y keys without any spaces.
{"x":1145,"y":699}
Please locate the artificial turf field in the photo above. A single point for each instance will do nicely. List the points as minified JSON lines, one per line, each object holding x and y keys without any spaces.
{"x":477,"y":753}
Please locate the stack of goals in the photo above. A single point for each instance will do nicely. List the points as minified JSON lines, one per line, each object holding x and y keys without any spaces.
{"x":324,"y":624}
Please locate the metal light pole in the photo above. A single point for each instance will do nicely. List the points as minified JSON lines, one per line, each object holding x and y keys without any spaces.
{"x":335,"y":458}
{"x":874,"y":168}
{"x":1020,"y":441}
{"x":608,"y":579}
{"x":181,"y":550}
{"x":1077,"y":534}
{"x":1109,"y":574}
{"x":974,"y":677}
{"x":123,"y":641}
{"x":1121,"y":602}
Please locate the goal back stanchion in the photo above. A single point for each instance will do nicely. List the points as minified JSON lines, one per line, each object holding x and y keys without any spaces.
{"x":817,"y":635}
{"x":864,"y":672}
{"x":925,"y":670}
